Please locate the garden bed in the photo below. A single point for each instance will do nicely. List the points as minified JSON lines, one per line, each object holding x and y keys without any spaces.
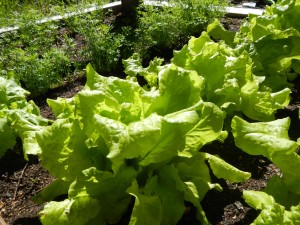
{"x":20,"y":180}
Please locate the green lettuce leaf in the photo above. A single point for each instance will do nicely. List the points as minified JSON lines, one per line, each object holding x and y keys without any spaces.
{"x":208,"y":129}
{"x":271,"y":212}
{"x":147,"y":210}
{"x":275,"y":57}
{"x":167,"y":185}
{"x":7,"y":137}
{"x":63,"y":150}
{"x":133,"y":67}
{"x":70,"y":211}
{"x":173,"y":130}
{"x":109,"y":189}
{"x":178,"y":89}
{"x":196,"y":181}
{"x":98,"y":195}
{"x":114,"y":98}
{"x":26,"y":125}
{"x":271,"y":140}
{"x":287,"y":13}
{"x":54,"y":189}
{"x":217,"y":31}
{"x":228,"y":79}
{"x":18,"y":117}
{"x":272,"y":41}
{"x":276,"y":203}
{"x":277,"y":188}
{"x":128,"y":141}
{"x":226,"y":171}
{"x":262,"y":105}
{"x":11,"y":92}
{"x":62,"y":107}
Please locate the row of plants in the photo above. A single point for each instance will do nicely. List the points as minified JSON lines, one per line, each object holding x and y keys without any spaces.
{"x":43,"y":56}
{"x":13,"y":12}
{"x":120,"y":140}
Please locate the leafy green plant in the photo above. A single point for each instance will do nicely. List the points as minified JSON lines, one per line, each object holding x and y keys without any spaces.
{"x":122,"y":141}
{"x":271,"y":140}
{"x":38,"y":73}
{"x":12,"y":12}
{"x":266,"y":46}
{"x":164,"y":28}
{"x":103,"y":49}
{"x":272,"y":41}
{"x":273,"y":212}
{"x":31,"y":53}
{"x":229,"y":80}
{"x":105,"y":43}
{"x":14,"y":110}
{"x":115,"y":141}
{"x":38,"y":37}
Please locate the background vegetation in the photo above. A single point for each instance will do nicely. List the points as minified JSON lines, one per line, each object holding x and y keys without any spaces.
{"x":43,"y":56}
{"x":12,"y":12}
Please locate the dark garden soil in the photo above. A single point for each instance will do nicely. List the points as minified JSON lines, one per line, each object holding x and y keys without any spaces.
{"x":20,"y":180}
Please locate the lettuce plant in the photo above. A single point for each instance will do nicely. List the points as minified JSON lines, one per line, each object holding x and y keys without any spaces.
{"x":273,"y":44}
{"x":272,"y":41}
{"x":227,"y":78}
{"x":18,"y":117}
{"x":272,"y":212}
{"x":115,"y":141}
{"x":271,"y":140}
{"x":248,"y":73}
